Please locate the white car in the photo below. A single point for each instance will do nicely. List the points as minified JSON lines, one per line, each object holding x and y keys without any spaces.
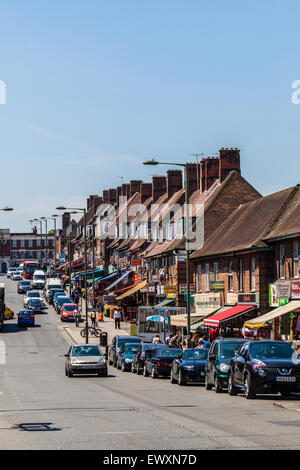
{"x":10,"y":271}
{"x":31,"y":294}
{"x":16,"y":276}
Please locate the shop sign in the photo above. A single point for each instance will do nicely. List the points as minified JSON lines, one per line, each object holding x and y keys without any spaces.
{"x":62,"y":258}
{"x":137,"y":278}
{"x":295,"y":290}
{"x":283,"y":289}
{"x":216,"y":286}
{"x":212,"y":301}
{"x":170,"y":289}
{"x":231,"y":298}
{"x":252,"y":298}
{"x":155,"y":278}
{"x":183,"y":289}
{"x":136,"y":262}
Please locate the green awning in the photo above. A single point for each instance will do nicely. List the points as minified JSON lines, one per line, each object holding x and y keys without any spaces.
{"x":164,"y":302}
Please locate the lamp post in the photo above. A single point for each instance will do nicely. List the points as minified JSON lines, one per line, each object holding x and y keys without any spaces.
{"x":46,"y":226}
{"x":62,"y":208}
{"x":41,"y":239}
{"x":54,"y":220}
{"x":187,"y":198}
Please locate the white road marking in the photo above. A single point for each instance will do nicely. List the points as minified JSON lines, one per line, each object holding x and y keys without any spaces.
{"x":2,"y":352}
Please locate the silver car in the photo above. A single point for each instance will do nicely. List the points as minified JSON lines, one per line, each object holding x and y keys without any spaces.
{"x":85,"y":359}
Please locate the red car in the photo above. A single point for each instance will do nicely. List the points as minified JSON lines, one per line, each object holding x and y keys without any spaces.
{"x":67,"y":312}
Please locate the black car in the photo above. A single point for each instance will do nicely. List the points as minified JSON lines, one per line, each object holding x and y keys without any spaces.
{"x":145,"y":350}
{"x":125,"y":356}
{"x":116,"y":344}
{"x":265,"y":367}
{"x":36,"y":305}
{"x":189,"y":366}
{"x":220,"y":353}
{"x":51,"y":294}
{"x":23,"y":287}
{"x":160,"y":362}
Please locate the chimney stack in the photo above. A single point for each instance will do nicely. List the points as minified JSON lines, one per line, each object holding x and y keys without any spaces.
{"x":126,"y":190}
{"x":145,"y":191}
{"x":194,"y":177}
{"x":211,"y":171}
{"x":229,"y":160}
{"x":112,"y":195}
{"x":135,"y":186}
{"x":66,"y":218}
{"x":106,"y":195}
{"x":159,"y":187}
{"x":174,"y":182}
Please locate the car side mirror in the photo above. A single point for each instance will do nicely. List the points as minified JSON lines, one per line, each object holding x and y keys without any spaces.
{"x":66,"y":355}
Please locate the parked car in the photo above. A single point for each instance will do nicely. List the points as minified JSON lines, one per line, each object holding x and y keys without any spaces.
{"x":10,"y":271}
{"x":264,"y":367}
{"x":55,"y":295}
{"x":220,"y":353}
{"x":189,"y":366}
{"x":26,"y":318}
{"x":16,"y":276}
{"x":52,"y":292}
{"x":116,"y":344}
{"x":60,"y":300}
{"x":31,"y":294}
{"x":8,"y":314}
{"x":160,"y":363}
{"x":125,"y":356}
{"x":67,"y":312}
{"x":36,"y":305}
{"x":85,"y":359}
{"x":23,"y":287}
{"x":144,"y":350}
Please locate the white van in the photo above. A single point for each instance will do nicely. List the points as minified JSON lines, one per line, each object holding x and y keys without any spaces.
{"x":52,"y":283}
{"x":39,"y":279}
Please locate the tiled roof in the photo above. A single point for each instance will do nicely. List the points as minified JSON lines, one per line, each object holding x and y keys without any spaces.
{"x":248,"y":225}
{"x":289,"y":224}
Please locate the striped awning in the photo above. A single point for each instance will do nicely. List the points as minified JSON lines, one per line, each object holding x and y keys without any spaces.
{"x":133,"y":290}
{"x":258,"y":322}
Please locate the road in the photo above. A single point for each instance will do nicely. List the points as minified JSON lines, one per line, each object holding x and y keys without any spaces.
{"x":40,"y":408}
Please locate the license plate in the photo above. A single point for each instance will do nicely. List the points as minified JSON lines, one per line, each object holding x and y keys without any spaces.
{"x":88,"y":366}
{"x":285,"y":379}
{"x":202,"y":373}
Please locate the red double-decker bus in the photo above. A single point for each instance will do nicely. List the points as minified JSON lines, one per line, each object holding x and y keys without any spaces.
{"x":29,"y":267}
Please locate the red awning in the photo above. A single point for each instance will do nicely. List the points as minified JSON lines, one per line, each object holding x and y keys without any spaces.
{"x":214,"y":320}
{"x":125,"y":288}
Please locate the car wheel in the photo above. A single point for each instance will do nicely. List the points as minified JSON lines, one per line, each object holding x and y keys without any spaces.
{"x":70,"y":374}
{"x":218,"y":388}
{"x":138,"y":369}
{"x":208,"y":386}
{"x":249,"y":392}
{"x":153,"y":373}
{"x":180,"y":379}
{"x":232,"y":390}
{"x":118,"y":366}
{"x":145,"y":372}
{"x":285,"y":393}
{"x":66,"y":372}
{"x":115,"y":364}
{"x":110,"y":362}
{"x":172,"y":380}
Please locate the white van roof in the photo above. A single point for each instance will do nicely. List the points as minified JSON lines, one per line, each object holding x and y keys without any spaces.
{"x":38,"y":272}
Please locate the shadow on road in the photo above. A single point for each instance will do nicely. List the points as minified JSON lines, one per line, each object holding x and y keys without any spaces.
{"x":13,"y":328}
{"x":35,"y":427}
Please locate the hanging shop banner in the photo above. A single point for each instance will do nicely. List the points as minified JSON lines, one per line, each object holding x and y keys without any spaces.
{"x":252,"y":298}
{"x":283,"y":289}
{"x":207,"y":303}
{"x":170,"y":289}
{"x":62,"y":258}
{"x":155,"y":278}
{"x":137,"y":278}
{"x":216,"y":286}
{"x":273,"y":300}
{"x":136,"y":262}
{"x":183,"y":289}
{"x":295,"y":290}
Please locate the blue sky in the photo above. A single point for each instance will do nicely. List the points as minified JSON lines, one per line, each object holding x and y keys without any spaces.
{"x":96,"y":87}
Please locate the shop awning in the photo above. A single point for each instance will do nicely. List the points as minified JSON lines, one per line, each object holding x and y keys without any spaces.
{"x":181,"y":319}
{"x":215,"y":320}
{"x":165,"y":302}
{"x":89,"y":273}
{"x":118,"y":280}
{"x":258,"y":322}
{"x":133,"y":290}
{"x":100,"y":279}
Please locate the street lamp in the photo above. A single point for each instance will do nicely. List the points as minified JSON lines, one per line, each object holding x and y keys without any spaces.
{"x":7,"y":209}
{"x":62,"y":208}
{"x":46,"y":226}
{"x":41,"y":240}
{"x":187,"y":189}
{"x":54,"y":220}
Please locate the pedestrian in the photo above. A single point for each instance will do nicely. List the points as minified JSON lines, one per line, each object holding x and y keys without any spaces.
{"x":76,"y":316}
{"x":93,"y":318}
{"x":117,"y":318}
{"x":206,"y":342}
{"x":156,"y":339}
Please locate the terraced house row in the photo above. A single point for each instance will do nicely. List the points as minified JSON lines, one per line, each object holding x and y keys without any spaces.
{"x":246,"y":263}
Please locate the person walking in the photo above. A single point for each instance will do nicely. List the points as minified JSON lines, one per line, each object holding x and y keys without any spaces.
{"x":76,"y":316}
{"x":93,"y":318}
{"x":117,"y":318}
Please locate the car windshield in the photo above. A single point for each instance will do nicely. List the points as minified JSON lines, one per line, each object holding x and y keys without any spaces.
{"x":228,"y":350}
{"x":195,"y":355}
{"x":39,"y":277}
{"x":69,"y":308}
{"x":25,"y":283}
{"x":33,"y":294}
{"x":148,"y":346}
{"x":122,"y":341}
{"x":131,"y":348}
{"x":63,"y":300}
{"x":86,"y":351}
{"x":168,"y":352}
{"x":271,"y":351}
{"x":34,"y":302}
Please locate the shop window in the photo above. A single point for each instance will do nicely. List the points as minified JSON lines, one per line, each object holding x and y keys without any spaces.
{"x":241,"y":276}
{"x":198,"y":278}
{"x":216,"y":271}
{"x":296,"y":259}
{"x":282,"y":261}
{"x":207,"y":277}
{"x":230,"y":277}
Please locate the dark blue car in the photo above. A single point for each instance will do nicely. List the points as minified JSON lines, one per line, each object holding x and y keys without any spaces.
{"x":26,"y":318}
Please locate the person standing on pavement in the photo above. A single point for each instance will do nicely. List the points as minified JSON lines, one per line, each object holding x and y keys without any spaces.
{"x":93,"y":318}
{"x":76,"y":316}
{"x":117,"y":318}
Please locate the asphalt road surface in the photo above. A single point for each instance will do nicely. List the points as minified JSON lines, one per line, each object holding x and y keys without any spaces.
{"x":40,"y":408}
